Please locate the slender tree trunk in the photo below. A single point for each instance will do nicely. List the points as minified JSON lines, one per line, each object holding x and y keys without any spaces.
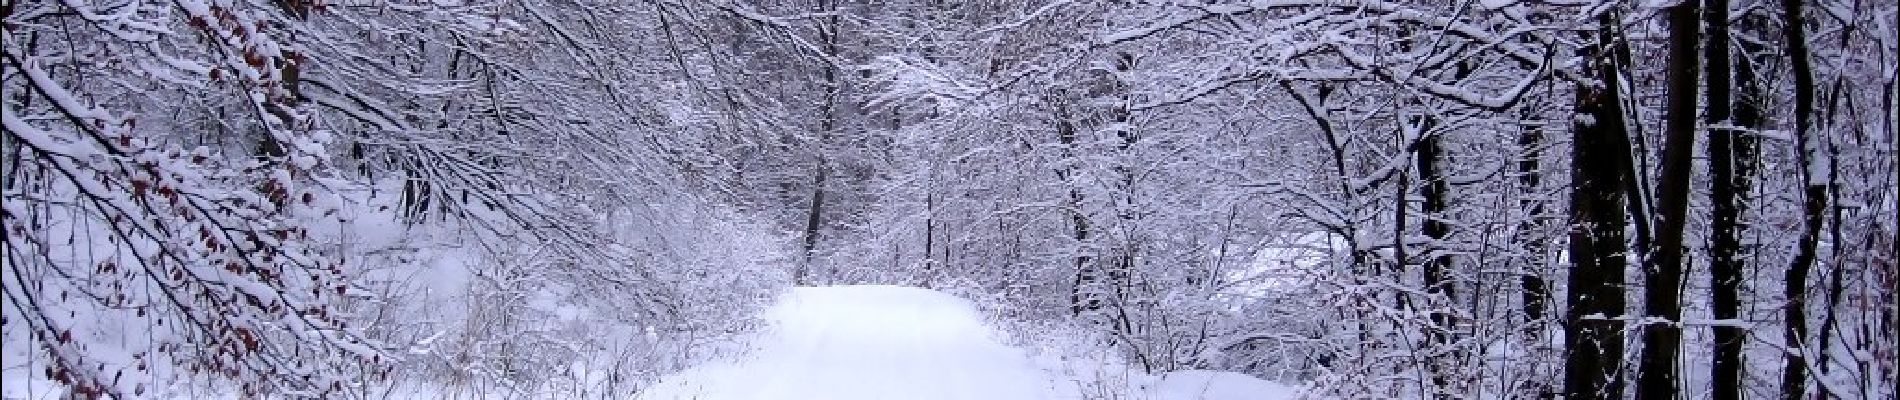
{"x":1641,"y":199}
{"x":1892,"y":288}
{"x":814,"y":219}
{"x":1731,"y":167}
{"x":1435,"y":192}
{"x":1662,"y":272}
{"x":1794,"y":374}
{"x":827,"y":123}
{"x":930,"y":235}
{"x":1439,"y":290}
{"x":1536,"y":296}
{"x":1401,"y":255}
{"x":1081,"y":300}
{"x":1836,"y":273}
{"x":1598,"y":218}
{"x":1122,"y":269}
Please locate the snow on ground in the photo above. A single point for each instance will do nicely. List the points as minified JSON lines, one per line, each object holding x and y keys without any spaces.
{"x":1213,"y":385}
{"x":867,"y":342}
{"x":889,"y":342}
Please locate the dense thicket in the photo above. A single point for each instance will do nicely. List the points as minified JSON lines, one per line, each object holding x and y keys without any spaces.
{"x":1446,"y":199}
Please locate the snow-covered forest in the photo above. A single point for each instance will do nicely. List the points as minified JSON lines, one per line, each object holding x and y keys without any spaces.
{"x":1324,"y":199}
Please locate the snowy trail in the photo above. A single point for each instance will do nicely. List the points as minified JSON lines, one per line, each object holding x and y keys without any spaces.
{"x":868,"y":342}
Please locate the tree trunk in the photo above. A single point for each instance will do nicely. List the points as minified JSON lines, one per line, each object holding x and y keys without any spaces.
{"x":1892,"y":331}
{"x":1536,"y":294}
{"x":1533,"y":287}
{"x":1836,"y":283}
{"x":1434,"y":192}
{"x":827,"y":123}
{"x":1080,"y":299}
{"x":1731,"y":167}
{"x":1598,"y":245}
{"x":1662,"y":272}
{"x":814,"y":219}
{"x":1439,"y":292}
{"x":1794,"y":372}
{"x":930,"y":235}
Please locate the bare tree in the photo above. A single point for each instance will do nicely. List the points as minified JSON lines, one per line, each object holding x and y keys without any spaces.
{"x":1593,"y":335}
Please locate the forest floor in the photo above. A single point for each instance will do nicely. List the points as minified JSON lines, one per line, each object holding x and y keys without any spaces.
{"x":889,"y":342}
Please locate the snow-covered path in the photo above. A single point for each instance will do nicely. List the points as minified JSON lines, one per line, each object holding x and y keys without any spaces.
{"x":868,"y":342}
{"x":900,"y":343}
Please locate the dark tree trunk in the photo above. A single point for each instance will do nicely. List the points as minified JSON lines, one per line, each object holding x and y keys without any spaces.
{"x":1536,"y":296}
{"x":1794,"y":374}
{"x":814,"y":219}
{"x":1434,"y":192}
{"x":1122,"y":268}
{"x":1400,"y":254}
{"x":1598,"y":218}
{"x":1662,"y":272}
{"x":1892,"y":262}
{"x":1836,"y":275}
{"x":827,"y":122}
{"x":930,"y":235}
{"x":1731,"y":167}
{"x":1439,"y":292}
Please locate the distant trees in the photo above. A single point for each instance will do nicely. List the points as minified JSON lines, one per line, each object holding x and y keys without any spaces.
{"x":1379,"y":198}
{"x":1390,"y":114}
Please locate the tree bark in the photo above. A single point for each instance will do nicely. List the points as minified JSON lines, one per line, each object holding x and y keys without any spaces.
{"x":1892,"y":331}
{"x":827,"y":123}
{"x":930,"y":236}
{"x":1836,"y":275}
{"x":1731,"y":152}
{"x":1598,"y":245}
{"x":1662,"y":272}
{"x":1434,"y":192}
{"x":1794,"y":371}
{"x":1536,"y":296}
{"x":1439,"y":290}
{"x":814,"y":220}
